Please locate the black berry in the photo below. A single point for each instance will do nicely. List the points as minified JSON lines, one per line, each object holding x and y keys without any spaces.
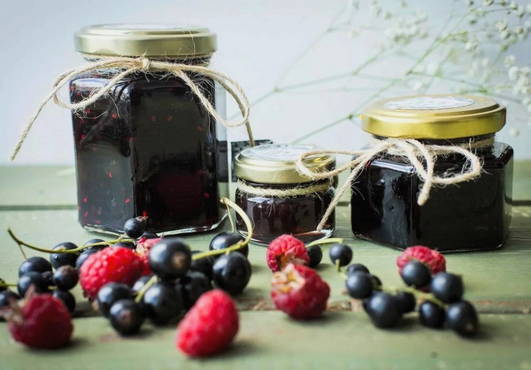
{"x":86,"y":254}
{"x":149,"y":235}
{"x":162,"y":303}
{"x":67,"y":298}
{"x":447,"y":287}
{"x":406,"y":302}
{"x":34,"y":264}
{"x":135,"y":227}
{"x":431,"y":314}
{"x":232,"y":272}
{"x":462,"y":318}
{"x":383,"y":310}
{"x":203,"y":265}
{"x":316,"y":255}
{"x":126,"y":316}
{"x":356,"y":267}
{"x":110,"y":293}
{"x":2,"y":285}
{"x":65,"y":277}
{"x":416,"y":274}
{"x":377,"y":283}
{"x":170,"y":258}
{"x":60,"y":259}
{"x":48,"y":277}
{"x":192,"y":286}
{"x":341,"y":253}
{"x":227,"y":239}
{"x":139,"y":284}
{"x":129,"y":245}
{"x":94,"y":241}
{"x":359,"y":285}
{"x":35,"y":279}
{"x":7,"y":296}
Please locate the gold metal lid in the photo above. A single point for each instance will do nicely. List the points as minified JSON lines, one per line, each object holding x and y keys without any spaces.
{"x":275,"y":163}
{"x":145,"y":40}
{"x":434,"y":117}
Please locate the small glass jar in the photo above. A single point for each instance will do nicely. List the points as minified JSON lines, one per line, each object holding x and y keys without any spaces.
{"x":149,"y":147}
{"x":278,"y":199}
{"x":467,"y":216}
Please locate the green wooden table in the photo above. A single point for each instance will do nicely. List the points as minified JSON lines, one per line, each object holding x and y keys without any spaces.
{"x":39,"y":204}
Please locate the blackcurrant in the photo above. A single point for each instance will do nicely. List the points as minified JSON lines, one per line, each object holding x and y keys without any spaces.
{"x":406,"y":302}
{"x":60,"y":259}
{"x":356,"y":267}
{"x":462,"y":318}
{"x":48,"y":277}
{"x":86,"y":254}
{"x":135,"y":227}
{"x":359,"y":285}
{"x":227,"y":239}
{"x":170,"y":258}
{"x":65,"y":277}
{"x":7,"y":296}
{"x":126,"y":316}
{"x":431,"y":314}
{"x":377,"y":283}
{"x":192,"y":286}
{"x":129,"y":245}
{"x":32,"y":278}
{"x":232,"y":272}
{"x":139,"y":284}
{"x":94,"y":241}
{"x":203,"y":265}
{"x":66,"y":297}
{"x":149,"y":235}
{"x":162,"y":303}
{"x":340,"y":252}
{"x":110,"y":293}
{"x":447,"y":287}
{"x":316,"y":255}
{"x":2,"y":285}
{"x":416,"y":274}
{"x":34,"y":264}
{"x":383,"y":309}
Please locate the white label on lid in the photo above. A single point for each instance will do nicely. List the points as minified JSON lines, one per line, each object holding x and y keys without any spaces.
{"x":429,"y":103}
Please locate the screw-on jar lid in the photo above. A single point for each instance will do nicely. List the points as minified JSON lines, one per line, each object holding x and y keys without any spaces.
{"x":434,"y":117}
{"x":275,"y":163}
{"x":150,"y":40}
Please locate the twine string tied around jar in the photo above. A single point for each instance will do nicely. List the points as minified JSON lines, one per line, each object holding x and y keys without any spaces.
{"x":421,"y":156}
{"x":128,"y":66}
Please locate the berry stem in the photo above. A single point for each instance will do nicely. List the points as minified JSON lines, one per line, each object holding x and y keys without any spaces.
{"x":417,"y":293}
{"x":145,"y":288}
{"x":325,"y":241}
{"x":67,"y":251}
{"x":242,"y":243}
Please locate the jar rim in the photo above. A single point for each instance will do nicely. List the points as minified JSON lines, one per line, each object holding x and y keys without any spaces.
{"x":149,"y":40}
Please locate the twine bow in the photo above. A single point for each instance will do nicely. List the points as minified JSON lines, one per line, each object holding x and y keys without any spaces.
{"x":128,"y":66}
{"x":413,"y":150}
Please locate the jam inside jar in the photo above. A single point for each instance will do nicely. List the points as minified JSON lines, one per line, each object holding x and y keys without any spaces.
{"x":277,"y":199}
{"x":149,"y":147}
{"x":467,"y":216}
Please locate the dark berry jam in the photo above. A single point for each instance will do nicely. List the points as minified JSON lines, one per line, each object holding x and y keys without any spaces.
{"x":149,"y":148}
{"x":472,"y":215}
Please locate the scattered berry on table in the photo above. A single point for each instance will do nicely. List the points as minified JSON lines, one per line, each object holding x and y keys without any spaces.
{"x":120,"y":265}
{"x":447,"y":287}
{"x":203,"y":265}
{"x":416,"y":274}
{"x":65,"y":277}
{"x":284,"y":250}
{"x":34,"y":264}
{"x":34,"y":279}
{"x":340,"y":254}
{"x":110,"y":293}
{"x":126,"y":316}
{"x":135,"y":227}
{"x":406,"y":301}
{"x":316,"y":255}
{"x":431,"y":314}
{"x":66,"y":297}
{"x":357,"y":267}
{"x":232,"y":272}
{"x":300,"y":292}
{"x":162,"y":302}
{"x":359,"y":285}
{"x":462,"y":318}
{"x":192,"y":286}
{"x":209,"y":327}
{"x":61,"y":259}
{"x":226,"y":239}
{"x":383,"y":309}
{"x":170,"y":258}
{"x":430,"y":257}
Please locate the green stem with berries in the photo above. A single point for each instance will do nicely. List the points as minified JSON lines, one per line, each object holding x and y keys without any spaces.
{"x":325,"y":241}
{"x":145,"y":288}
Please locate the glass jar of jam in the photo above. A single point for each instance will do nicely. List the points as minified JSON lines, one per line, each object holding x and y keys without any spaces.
{"x":468,"y":216}
{"x":278,"y":199}
{"x":149,"y":147}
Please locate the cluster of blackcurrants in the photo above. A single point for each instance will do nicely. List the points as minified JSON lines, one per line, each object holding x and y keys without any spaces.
{"x":439,"y":298}
{"x":340,"y":254}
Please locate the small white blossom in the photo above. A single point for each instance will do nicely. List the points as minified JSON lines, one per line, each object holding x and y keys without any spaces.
{"x":488,"y":2}
{"x":509,"y":60}
{"x":501,"y":25}
{"x":514,"y":132}
{"x":513,"y":5}
{"x":513,"y":73}
{"x":528,"y":8}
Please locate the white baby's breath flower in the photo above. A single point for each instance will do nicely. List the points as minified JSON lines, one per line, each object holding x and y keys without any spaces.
{"x":514,"y":132}
{"x":501,"y":25}
{"x":520,"y":11}
{"x":528,"y":8}
{"x":513,"y":73}
{"x":471,"y":45}
{"x":503,"y":2}
{"x":513,"y":5}
{"x":509,"y":60}
{"x":488,"y":2}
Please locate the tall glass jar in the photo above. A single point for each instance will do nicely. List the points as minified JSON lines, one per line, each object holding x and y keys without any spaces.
{"x":473,"y":215}
{"x":149,"y":147}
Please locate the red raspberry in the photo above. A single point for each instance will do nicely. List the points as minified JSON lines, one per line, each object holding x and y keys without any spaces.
{"x":300,"y":292}
{"x":284,"y":250}
{"x":430,"y":257}
{"x":113,"y":264}
{"x":210,"y":325}
{"x":143,"y":246}
{"x":40,"y":321}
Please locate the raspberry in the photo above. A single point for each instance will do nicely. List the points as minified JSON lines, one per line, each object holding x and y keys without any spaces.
{"x":120,"y":265}
{"x":300,"y":292}
{"x":40,"y":321}
{"x":143,"y":246}
{"x":284,"y":250}
{"x":210,"y":325}
{"x":430,"y":257}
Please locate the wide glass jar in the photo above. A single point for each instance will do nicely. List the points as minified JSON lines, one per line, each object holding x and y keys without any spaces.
{"x":473,"y":215}
{"x":149,"y":147}
{"x":278,"y":199}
